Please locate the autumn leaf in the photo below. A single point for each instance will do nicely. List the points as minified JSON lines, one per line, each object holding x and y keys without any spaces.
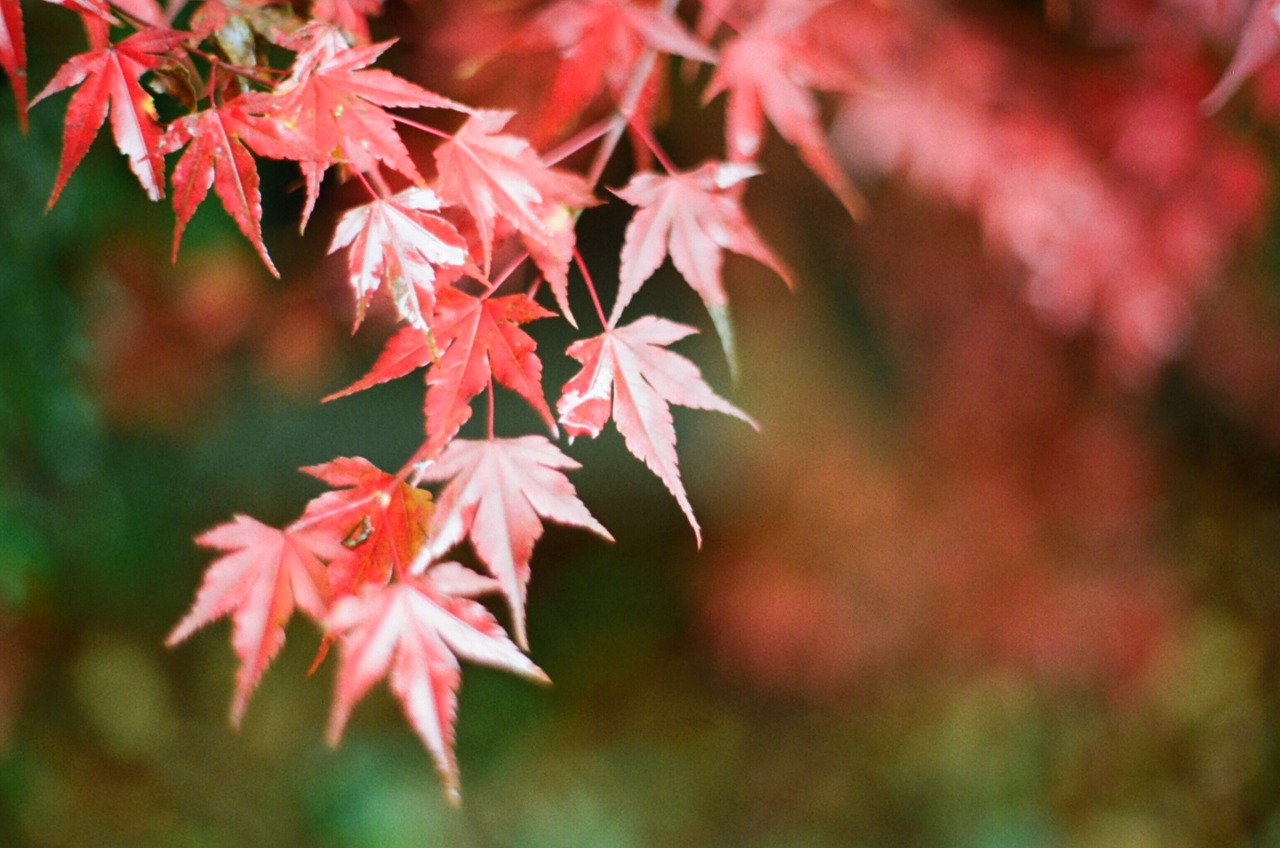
{"x":108,"y":80}
{"x":767,"y":71}
{"x":405,"y":352}
{"x":498,"y":493}
{"x":628,"y":374}
{"x":479,"y":338}
{"x":13,"y":55}
{"x":262,"y":575}
{"x":380,"y":521}
{"x":216,"y":156}
{"x":350,"y":16}
{"x":413,"y":634}
{"x":499,"y":177}
{"x":692,"y":217}
{"x":332,"y":106}
{"x":145,"y":11}
{"x":599,"y":44}
{"x":398,"y":243}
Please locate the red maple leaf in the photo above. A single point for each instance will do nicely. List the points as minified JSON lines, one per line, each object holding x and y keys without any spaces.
{"x":499,"y":177}
{"x":333,"y":108}
{"x":479,"y":338}
{"x":692,"y":217}
{"x":13,"y":55}
{"x":406,"y":351}
{"x":146,"y":11}
{"x":768,"y":70}
{"x":350,"y":16}
{"x":259,"y":579}
{"x":471,"y":340}
{"x":413,"y":633}
{"x":216,"y":156}
{"x":600,"y":43}
{"x":110,"y":82}
{"x":498,"y":492}
{"x":380,"y":520}
{"x":397,"y":243}
{"x":92,"y":13}
{"x":627,"y":374}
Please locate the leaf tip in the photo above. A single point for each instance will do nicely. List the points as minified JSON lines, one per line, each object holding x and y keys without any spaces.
{"x":452,"y":792}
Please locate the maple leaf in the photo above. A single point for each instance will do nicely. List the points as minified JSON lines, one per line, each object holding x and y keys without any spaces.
{"x":413,"y":633}
{"x":13,"y":55}
{"x":216,"y":157}
{"x":262,"y":575}
{"x":479,"y":338}
{"x":1259,"y":44}
{"x":406,"y":351}
{"x":767,"y":71}
{"x":600,"y":43}
{"x":498,"y":492}
{"x":690,"y":216}
{"x":627,"y":374}
{"x":471,"y":340}
{"x":146,"y":11}
{"x":110,"y":82}
{"x":350,"y":16}
{"x":92,"y":12}
{"x":497,"y":176}
{"x":380,"y":520}
{"x":333,"y":108}
{"x":398,"y":243}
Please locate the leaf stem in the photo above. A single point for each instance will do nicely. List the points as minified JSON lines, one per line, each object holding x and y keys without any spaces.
{"x":384,"y":189}
{"x":627,"y":104}
{"x":595,"y":299}
{"x":417,"y":125}
{"x":491,"y":405}
{"x":652,"y":143}
{"x":578,"y":141}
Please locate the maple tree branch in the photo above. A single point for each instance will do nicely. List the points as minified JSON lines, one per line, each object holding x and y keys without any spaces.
{"x":259,"y":74}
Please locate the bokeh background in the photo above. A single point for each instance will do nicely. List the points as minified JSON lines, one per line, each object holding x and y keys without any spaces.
{"x":996,"y":572}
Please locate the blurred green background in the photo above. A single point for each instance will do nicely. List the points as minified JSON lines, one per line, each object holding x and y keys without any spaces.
{"x":965,"y":589}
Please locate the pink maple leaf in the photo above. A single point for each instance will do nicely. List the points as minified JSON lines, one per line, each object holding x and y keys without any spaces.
{"x":600,"y":43}
{"x":768,"y":71}
{"x":332,"y":105}
{"x":691,"y":216}
{"x":499,"y":177}
{"x":413,"y":633}
{"x":498,"y":493}
{"x":400,"y":244}
{"x":258,"y":581}
{"x":351,"y":16}
{"x":627,"y":374}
